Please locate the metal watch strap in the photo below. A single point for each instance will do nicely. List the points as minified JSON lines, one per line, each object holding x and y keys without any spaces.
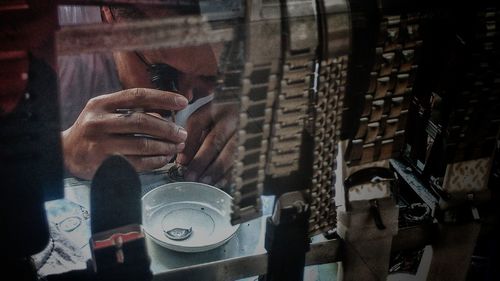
{"x":332,"y":74}
{"x":295,"y":86}
{"x":471,"y":132}
{"x":380,"y":134}
{"x":258,"y":91}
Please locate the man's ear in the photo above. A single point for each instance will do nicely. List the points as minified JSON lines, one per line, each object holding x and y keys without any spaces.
{"x":107,"y":15}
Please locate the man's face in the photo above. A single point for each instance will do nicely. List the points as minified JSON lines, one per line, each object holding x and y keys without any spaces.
{"x":197,"y":65}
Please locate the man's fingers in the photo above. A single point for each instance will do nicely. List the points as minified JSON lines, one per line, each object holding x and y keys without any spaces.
{"x":210,"y":149}
{"x":147,"y":99}
{"x":213,"y":144}
{"x":222,"y":163}
{"x":142,"y":146}
{"x":225,"y":182}
{"x":142,"y":164}
{"x":141,"y":123}
{"x":193,"y":143}
{"x":198,"y":126}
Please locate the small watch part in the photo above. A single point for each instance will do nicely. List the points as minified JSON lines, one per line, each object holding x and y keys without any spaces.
{"x":176,"y":172}
{"x":178,"y":233}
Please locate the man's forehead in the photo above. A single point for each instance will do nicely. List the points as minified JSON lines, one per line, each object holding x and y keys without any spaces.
{"x":197,"y":60}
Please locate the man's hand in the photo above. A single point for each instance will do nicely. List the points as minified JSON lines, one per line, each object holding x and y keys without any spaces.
{"x":211,"y":143}
{"x":147,"y":141}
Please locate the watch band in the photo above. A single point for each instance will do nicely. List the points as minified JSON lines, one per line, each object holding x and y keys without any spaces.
{"x":258,"y":90}
{"x":296,"y":83}
{"x":327,"y":116}
{"x":382,"y":120}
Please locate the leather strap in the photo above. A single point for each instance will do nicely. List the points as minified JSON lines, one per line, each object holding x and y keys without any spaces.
{"x":118,"y":243}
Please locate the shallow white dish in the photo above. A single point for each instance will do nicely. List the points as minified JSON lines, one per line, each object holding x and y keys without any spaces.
{"x":203,"y":208}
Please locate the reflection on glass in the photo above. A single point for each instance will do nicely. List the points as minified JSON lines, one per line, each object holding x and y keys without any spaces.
{"x":69,"y":224}
{"x":153,"y":106}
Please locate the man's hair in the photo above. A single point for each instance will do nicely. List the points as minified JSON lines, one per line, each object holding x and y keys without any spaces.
{"x":128,"y":12}
{"x":133,"y":12}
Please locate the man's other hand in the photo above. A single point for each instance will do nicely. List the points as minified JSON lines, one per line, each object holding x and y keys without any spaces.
{"x":211,"y":144}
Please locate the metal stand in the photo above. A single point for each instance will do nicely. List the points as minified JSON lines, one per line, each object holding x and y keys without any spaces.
{"x":367,"y":247}
{"x":453,"y":250}
{"x":287,"y":239}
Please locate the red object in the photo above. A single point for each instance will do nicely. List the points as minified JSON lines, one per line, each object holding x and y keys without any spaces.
{"x":117,"y":240}
{"x":13,"y":79}
{"x":27,"y":28}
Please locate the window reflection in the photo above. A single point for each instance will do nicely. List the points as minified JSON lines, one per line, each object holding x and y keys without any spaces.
{"x":153,"y":106}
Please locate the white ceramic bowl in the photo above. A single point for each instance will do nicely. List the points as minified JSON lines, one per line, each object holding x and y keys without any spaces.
{"x":203,"y":208}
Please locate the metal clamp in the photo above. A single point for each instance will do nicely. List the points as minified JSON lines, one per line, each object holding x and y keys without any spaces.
{"x":374,"y":175}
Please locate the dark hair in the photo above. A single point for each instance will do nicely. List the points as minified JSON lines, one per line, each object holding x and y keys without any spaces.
{"x":128,"y":12}
{"x":134,"y":12}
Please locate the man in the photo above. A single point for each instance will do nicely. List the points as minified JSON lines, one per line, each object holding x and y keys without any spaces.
{"x":126,"y":122}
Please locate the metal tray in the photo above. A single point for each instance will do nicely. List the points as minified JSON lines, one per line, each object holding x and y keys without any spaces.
{"x":184,"y":205}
